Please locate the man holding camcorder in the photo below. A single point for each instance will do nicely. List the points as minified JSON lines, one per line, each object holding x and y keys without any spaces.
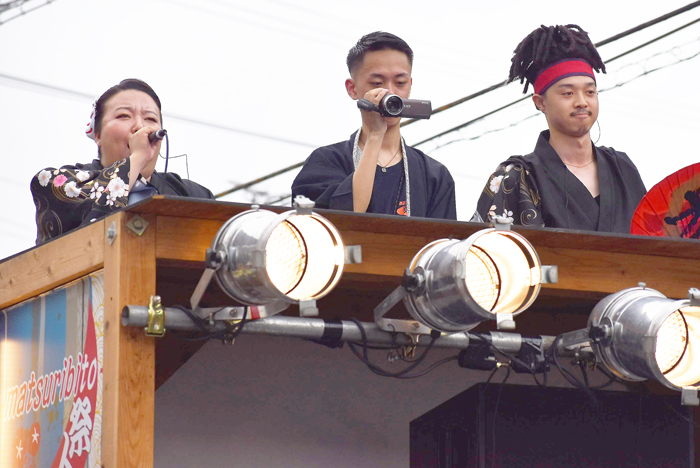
{"x":375,"y":171}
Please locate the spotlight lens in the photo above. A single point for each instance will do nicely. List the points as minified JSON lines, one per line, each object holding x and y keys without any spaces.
{"x":286,"y":257}
{"x":671,"y":342}
{"x":483,"y":281}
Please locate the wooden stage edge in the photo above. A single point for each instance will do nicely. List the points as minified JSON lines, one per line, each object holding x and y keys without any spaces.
{"x":590,"y":264}
{"x":167,"y":259}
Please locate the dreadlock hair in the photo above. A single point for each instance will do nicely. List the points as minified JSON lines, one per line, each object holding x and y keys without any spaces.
{"x":373,"y":42}
{"x":547,"y":45}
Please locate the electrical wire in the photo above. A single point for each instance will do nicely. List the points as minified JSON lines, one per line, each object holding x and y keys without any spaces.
{"x":229,"y":334}
{"x":472,"y":121}
{"x":643,"y":390}
{"x":495,"y":414}
{"x":431,"y":367}
{"x":180,"y":117}
{"x":517,"y":101}
{"x":570,"y":377}
{"x":167,"y":154}
{"x":402,"y":374}
{"x":19,"y":4}
{"x":266,"y":22}
{"x":598,"y":44}
{"x":511,"y":357}
{"x":537,"y":114}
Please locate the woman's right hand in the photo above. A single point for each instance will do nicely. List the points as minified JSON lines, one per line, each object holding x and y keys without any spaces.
{"x":144,"y":154}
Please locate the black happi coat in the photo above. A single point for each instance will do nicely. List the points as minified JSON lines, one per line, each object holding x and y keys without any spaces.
{"x":539,"y":190}
{"x":73,"y":196}
{"x":327,"y":175}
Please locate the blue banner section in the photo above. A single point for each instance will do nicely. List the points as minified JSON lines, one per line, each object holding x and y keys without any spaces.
{"x":51,"y":378}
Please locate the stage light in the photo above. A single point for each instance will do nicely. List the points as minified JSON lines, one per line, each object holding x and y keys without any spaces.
{"x":261,"y":258}
{"x":645,"y":335}
{"x":452,"y":285}
{"x":640,"y":334}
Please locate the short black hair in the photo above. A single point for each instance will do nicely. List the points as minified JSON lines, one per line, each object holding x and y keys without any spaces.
{"x":130,"y":83}
{"x":547,"y":45}
{"x":375,"y":41}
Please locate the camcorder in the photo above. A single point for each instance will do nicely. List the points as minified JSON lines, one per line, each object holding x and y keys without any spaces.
{"x":392,"y":105}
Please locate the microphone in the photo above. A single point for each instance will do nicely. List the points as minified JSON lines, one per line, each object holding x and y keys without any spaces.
{"x":157,"y":135}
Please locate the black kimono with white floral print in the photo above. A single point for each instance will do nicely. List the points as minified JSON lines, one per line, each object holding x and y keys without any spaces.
{"x":539,"y":190}
{"x":73,"y":196}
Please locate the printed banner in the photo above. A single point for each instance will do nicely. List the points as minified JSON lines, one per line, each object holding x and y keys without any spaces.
{"x":51,"y":352}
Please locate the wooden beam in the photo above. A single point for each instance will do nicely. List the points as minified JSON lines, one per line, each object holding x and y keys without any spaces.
{"x":53,"y":264}
{"x":184,"y":238}
{"x":608,"y":272}
{"x":129,"y":355}
{"x":583,"y":266}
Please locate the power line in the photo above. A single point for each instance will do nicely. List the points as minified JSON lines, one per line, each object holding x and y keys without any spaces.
{"x":37,"y":84}
{"x":502,"y":84}
{"x":241,"y":131}
{"x":19,"y":4}
{"x":677,"y":12}
{"x":617,"y":85}
{"x":634,"y":49}
{"x":472,"y":121}
{"x":308,"y":32}
{"x":598,"y":44}
{"x":258,"y":180}
{"x":514,"y":124}
{"x":91,"y":98}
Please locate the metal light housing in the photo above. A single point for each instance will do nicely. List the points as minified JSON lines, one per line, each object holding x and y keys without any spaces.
{"x":640,"y":334}
{"x":262,"y":257}
{"x":492,"y":275}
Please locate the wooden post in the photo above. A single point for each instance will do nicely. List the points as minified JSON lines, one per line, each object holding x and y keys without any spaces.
{"x":129,"y":355}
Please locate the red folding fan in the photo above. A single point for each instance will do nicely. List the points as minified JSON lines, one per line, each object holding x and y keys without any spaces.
{"x":672,"y":207}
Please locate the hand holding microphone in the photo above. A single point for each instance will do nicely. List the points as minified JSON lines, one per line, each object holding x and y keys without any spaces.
{"x":144,"y":146}
{"x":157,"y":135}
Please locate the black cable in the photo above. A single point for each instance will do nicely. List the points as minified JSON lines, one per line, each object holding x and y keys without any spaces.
{"x":634,"y":49}
{"x":379,"y":371}
{"x":473,"y":121}
{"x":636,"y":435}
{"x":432,"y":367}
{"x":571,"y":378}
{"x":364,"y":357}
{"x":509,"y":356}
{"x":459,"y":101}
{"x":493,"y":421}
{"x":598,"y":44}
{"x":660,"y":19}
{"x":493,"y":372}
{"x":231,"y":331}
{"x":177,"y":192}
{"x":259,"y":179}
{"x":643,"y":390}
{"x":485,"y":91}
{"x":612,"y":378}
{"x":167,"y":153}
{"x":584,"y":373}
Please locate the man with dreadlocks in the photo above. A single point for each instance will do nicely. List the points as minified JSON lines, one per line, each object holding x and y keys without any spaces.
{"x":567,"y":182}
{"x":375,"y":171}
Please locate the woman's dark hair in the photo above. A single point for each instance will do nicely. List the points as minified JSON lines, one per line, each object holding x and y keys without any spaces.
{"x":547,"y":45}
{"x":130,"y":83}
{"x":373,"y":42}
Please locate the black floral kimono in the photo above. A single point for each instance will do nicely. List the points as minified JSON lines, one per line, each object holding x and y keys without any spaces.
{"x":539,"y":190}
{"x":73,"y":196}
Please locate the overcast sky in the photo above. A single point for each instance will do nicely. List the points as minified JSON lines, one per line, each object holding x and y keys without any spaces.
{"x":251,"y":87}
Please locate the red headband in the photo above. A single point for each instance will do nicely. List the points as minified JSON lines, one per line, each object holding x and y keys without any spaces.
{"x":561,"y":70}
